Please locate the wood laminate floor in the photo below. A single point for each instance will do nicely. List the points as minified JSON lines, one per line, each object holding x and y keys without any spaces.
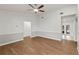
{"x":40,"y":46}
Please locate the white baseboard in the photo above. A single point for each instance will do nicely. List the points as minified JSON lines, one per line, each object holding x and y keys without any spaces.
{"x":11,"y":42}
{"x":51,"y":38}
{"x":33,"y":36}
{"x":47,"y":37}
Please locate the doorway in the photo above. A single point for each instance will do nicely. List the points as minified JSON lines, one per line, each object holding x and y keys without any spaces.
{"x":27,"y":28}
{"x":69,"y":27}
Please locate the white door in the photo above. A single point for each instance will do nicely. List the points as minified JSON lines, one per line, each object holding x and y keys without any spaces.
{"x":27,"y":28}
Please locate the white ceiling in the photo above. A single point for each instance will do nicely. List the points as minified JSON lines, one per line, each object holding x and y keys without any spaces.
{"x":24,"y":8}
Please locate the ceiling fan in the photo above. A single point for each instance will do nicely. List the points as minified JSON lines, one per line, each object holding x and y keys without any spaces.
{"x":35,"y":8}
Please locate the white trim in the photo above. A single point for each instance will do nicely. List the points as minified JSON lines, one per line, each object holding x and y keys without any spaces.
{"x":48,"y":38}
{"x":33,"y":36}
{"x":11,"y":42}
{"x":51,"y":38}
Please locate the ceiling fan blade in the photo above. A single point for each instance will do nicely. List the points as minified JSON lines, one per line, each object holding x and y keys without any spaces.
{"x":31,"y":6}
{"x":40,"y":6}
{"x":41,"y":10}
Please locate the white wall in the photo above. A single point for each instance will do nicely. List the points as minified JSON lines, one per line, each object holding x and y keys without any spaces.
{"x":50,"y":25}
{"x":69,"y":10}
{"x":12,"y":25}
{"x":31,"y":17}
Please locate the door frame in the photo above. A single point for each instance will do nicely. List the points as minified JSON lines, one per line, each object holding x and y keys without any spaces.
{"x":76,"y":31}
{"x":29,"y":24}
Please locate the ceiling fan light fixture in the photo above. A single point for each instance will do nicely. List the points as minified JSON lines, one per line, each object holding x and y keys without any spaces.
{"x":35,"y":10}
